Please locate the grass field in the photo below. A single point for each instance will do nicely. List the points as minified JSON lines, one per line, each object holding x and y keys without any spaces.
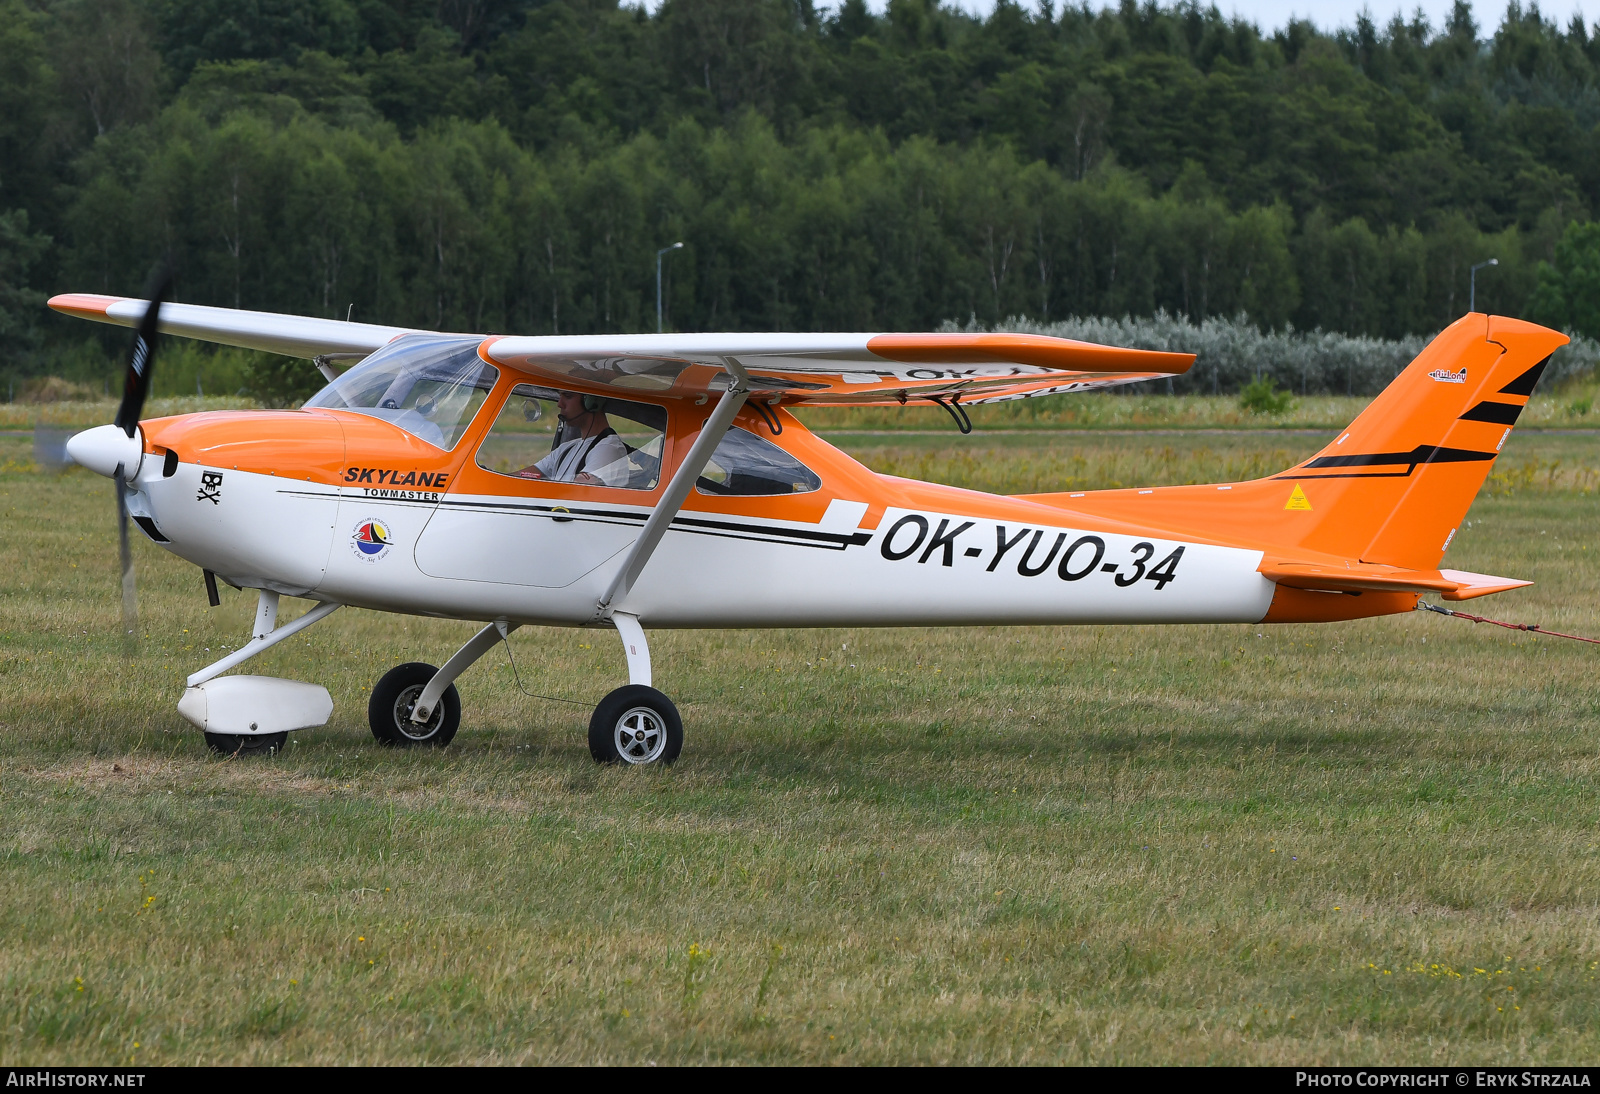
{"x":1366,"y":842}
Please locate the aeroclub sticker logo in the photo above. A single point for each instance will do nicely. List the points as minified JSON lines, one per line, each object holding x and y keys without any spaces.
{"x":371,"y":540}
{"x":1445,"y":376}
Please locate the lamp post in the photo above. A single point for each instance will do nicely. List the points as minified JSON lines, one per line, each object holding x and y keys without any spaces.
{"x":1472,"y":292}
{"x":659,"y":254}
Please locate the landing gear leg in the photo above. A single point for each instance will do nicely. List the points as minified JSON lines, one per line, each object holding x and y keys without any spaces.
{"x":417,"y":704}
{"x":635,"y":724}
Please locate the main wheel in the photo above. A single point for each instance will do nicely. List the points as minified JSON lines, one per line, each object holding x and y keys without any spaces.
{"x":635,"y":725}
{"x":247,"y":744}
{"x":394,"y":698}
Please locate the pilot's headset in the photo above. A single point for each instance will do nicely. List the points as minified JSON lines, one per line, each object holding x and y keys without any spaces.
{"x":591,"y":404}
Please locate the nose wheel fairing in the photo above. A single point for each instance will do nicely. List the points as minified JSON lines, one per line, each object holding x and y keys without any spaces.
{"x":255,"y":706}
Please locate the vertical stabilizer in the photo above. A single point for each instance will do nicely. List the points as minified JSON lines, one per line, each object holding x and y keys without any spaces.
{"x":1394,"y":486}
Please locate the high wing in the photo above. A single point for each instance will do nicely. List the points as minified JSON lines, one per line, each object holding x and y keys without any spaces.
{"x":810,"y":369}
{"x":272,"y":332}
{"x":840,"y":369}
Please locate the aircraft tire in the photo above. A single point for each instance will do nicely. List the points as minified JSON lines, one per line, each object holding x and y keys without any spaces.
{"x":394,"y":697}
{"x":240,"y":744}
{"x":635,"y":725}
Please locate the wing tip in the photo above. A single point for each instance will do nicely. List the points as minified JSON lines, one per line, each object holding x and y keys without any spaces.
{"x":84,"y":305}
{"x":1029,"y":349}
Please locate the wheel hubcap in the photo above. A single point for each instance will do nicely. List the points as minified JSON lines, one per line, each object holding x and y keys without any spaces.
{"x":640,"y":735}
{"x":405,"y":703}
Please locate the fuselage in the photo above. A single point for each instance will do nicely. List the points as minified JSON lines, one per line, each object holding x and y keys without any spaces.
{"x":339,"y":506}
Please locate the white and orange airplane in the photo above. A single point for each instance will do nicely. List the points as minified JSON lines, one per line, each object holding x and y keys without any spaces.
{"x":652,"y":481}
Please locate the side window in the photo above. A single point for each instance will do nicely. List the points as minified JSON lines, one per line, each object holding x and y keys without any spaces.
{"x":565,"y":436}
{"x":745,"y":465}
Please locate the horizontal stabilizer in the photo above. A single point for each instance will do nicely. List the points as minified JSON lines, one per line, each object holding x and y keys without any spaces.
{"x":1479,"y":584}
{"x":1357,"y":577}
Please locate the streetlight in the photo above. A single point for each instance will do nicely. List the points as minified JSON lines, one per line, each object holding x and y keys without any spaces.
{"x":1472,"y":293}
{"x":662,"y":251}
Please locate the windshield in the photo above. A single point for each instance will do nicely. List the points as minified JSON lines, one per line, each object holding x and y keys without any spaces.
{"x":429,"y":386}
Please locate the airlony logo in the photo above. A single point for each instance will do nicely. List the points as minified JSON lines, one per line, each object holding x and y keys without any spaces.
{"x":1445,"y":376}
{"x":371,"y":540}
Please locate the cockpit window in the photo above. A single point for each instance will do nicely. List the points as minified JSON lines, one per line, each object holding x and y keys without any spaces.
{"x":745,"y":465}
{"x":567,"y":436}
{"x":429,"y":386}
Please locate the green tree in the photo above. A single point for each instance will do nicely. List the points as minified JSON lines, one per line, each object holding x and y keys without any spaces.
{"x":1568,"y":292}
{"x":19,"y":249}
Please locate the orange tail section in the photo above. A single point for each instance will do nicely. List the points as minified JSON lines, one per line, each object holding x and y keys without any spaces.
{"x":1393,"y":488}
{"x":1388,"y":494}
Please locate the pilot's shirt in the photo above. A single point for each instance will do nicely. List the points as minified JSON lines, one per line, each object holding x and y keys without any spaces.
{"x":604,"y":456}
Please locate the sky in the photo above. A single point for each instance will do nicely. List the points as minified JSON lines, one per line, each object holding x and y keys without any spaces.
{"x":1271,"y":15}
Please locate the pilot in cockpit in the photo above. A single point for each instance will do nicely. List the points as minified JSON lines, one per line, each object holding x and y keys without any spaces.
{"x":586,"y":448}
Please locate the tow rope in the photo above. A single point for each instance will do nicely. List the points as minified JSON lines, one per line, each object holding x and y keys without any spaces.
{"x":517,"y":676}
{"x":1423,"y":607}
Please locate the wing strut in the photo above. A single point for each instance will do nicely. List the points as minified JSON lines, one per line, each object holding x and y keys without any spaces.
{"x":677,"y":491}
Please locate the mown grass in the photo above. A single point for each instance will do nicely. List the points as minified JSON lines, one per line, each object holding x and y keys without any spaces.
{"x":1364,"y":842}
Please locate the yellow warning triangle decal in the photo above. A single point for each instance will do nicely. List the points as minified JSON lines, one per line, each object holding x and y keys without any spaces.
{"x":1297,"y":500}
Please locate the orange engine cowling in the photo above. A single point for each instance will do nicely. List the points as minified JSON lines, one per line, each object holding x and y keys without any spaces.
{"x":252,"y":496}
{"x":302,"y":444}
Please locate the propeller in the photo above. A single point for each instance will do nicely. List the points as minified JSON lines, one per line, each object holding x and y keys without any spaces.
{"x":135,"y":390}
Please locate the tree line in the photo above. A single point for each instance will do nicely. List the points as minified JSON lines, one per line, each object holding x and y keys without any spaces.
{"x":514,"y":165}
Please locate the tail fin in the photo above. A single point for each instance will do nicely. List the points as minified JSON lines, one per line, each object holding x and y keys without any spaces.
{"x":1393,"y":487}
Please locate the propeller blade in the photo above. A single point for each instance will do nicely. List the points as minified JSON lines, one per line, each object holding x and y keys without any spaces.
{"x":130,"y":598}
{"x":136,"y":386}
{"x":135,"y":389}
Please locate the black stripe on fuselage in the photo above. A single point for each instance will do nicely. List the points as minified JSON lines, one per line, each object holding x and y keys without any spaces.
{"x":835,"y":540}
{"x":1422,"y":454}
{"x":798,"y":537}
